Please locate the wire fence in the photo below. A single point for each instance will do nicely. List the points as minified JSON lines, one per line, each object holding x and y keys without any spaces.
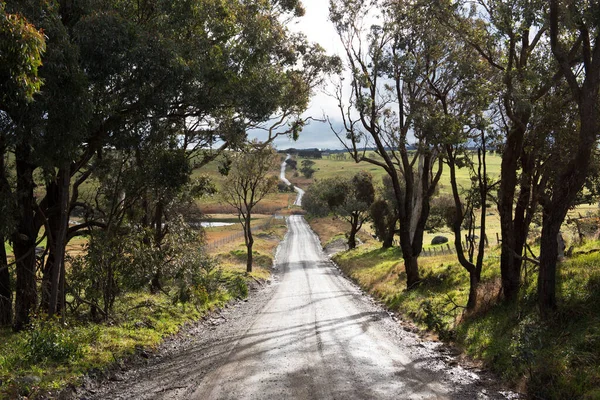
{"x":238,"y":235}
{"x":447,"y":249}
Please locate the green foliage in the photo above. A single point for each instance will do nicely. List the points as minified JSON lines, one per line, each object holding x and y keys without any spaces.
{"x":248,"y":183}
{"x":48,"y":340}
{"x":21,"y":49}
{"x":307,"y":168}
{"x":340,"y":196}
{"x":237,"y":287}
{"x":113,"y":264}
{"x":442,"y":212}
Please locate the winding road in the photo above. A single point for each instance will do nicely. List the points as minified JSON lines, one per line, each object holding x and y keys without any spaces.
{"x":282,"y":177}
{"x":309,"y":334}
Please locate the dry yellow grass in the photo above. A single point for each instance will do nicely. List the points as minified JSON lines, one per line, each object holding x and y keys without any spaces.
{"x":270,"y":205}
{"x":232,"y":256}
{"x":332,"y":228}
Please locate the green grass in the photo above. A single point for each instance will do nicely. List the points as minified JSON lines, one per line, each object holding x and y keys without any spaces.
{"x":330,"y":167}
{"x":554,"y":359}
{"x":140,"y":320}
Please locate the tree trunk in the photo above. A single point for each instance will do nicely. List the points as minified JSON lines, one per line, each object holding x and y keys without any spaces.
{"x":52,"y":200}
{"x":510,"y":273}
{"x":474,"y":279}
{"x":5,"y":284}
{"x":5,"y":288}
{"x":249,"y":243}
{"x":24,"y":241}
{"x":388,"y":240}
{"x":548,"y":261}
{"x":156,"y":285}
{"x":352,"y":234}
{"x":60,"y":240}
{"x":411,"y":266}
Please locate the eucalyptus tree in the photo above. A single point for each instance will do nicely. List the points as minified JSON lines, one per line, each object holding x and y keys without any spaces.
{"x":249,"y":181}
{"x":575,"y":41}
{"x":458,"y":105}
{"x":348,"y":198}
{"x":512,"y":38}
{"x":384,"y":108}
{"x":21,"y":49}
{"x":45,"y":134}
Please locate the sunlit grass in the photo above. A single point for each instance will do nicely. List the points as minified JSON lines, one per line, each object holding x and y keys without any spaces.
{"x":554,"y":359}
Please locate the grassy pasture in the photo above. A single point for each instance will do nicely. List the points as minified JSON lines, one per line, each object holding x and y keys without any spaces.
{"x":331,"y":167}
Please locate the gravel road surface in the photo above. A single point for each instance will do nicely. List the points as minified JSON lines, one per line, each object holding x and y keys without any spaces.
{"x":282,"y":177}
{"x":309,"y":334}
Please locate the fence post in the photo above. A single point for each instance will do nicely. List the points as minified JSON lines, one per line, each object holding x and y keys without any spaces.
{"x":497,"y":238}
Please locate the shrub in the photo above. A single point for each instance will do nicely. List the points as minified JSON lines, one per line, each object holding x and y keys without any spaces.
{"x":49,"y":341}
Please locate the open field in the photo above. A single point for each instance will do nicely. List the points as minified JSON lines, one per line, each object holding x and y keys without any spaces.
{"x":330,"y":167}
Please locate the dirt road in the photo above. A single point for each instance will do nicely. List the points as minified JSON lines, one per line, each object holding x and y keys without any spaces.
{"x":311,"y":334}
{"x":282,"y":177}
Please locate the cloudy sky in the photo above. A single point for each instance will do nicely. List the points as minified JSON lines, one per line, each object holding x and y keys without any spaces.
{"x":317,"y":28}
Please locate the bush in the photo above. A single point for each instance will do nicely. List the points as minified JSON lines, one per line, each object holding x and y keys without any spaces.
{"x":238,"y":288}
{"x":49,"y":341}
{"x":442,"y":213}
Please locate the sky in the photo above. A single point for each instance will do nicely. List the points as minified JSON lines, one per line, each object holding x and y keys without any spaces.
{"x":317,"y":28}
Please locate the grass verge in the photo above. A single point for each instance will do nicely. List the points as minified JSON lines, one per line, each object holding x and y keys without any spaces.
{"x":51,"y":356}
{"x":554,"y":359}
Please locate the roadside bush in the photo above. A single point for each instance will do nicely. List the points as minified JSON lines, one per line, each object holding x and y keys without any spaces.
{"x":47,"y":340}
{"x":238,"y":288}
{"x":291,"y":163}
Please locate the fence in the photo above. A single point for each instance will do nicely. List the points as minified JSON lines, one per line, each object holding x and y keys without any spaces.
{"x":236,"y":236}
{"x":447,"y":249}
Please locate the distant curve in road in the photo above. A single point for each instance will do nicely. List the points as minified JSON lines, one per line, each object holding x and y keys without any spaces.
{"x":282,"y":177}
